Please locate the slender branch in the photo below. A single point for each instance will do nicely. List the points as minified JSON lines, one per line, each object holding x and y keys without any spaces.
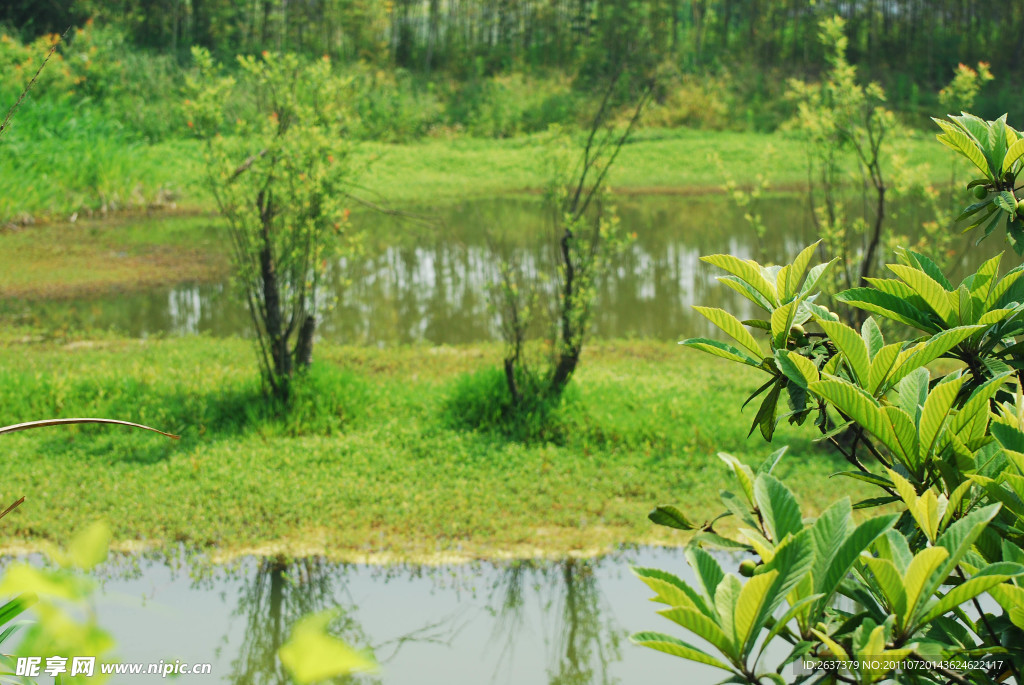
{"x":62,"y":422}
{"x":32,"y":82}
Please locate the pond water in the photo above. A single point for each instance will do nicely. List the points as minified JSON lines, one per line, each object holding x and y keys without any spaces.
{"x":427,"y":282}
{"x":519,"y":623}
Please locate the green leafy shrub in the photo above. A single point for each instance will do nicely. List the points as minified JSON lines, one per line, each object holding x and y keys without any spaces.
{"x":945,"y":448}
{"x":481,"y":401}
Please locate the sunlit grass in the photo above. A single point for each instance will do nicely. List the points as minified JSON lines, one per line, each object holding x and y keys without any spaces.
{"x":371,"y":463}
{"x":94,"y":173}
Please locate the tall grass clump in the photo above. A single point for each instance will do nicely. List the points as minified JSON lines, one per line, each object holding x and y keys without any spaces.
{"x":480,"y":401}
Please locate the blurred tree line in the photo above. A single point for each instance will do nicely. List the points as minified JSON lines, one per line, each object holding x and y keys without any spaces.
{"x":922,"y":38}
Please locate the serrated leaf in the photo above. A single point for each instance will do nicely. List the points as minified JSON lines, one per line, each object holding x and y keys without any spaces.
{"x":671,"y":590}
{"x":921,"y":575}
{"x":708,"y":572}
{"x":889,"y":582}
{"x":704,"y":627}
{"x":859,"y":406}
{"x":748,"y":271}
{"x":720,"y":349}
{"x":881,"y":365}
{"x":927,"y":288}
{"x":753,"y":596}
{"x":778,"y":507}
{"x":977,"y":584}
{"x":676,"y":647}
{"x":1006,"y":201}
{"x":797,"y":368}
{"x":732,"y":326}
{"x":782,"y":320}
{"x":932,"y":349}
{"x":936,"y":409}
{"x":852,"y":347}
{"x":795,"y":273}
{"x":888,"y":305}
{"x":1015,"y":152}
{"x":671,"y":517}
{"x":958,"y":141}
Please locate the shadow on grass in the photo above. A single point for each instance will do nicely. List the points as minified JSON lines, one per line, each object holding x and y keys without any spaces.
{"x":482,"y":402}
{"x":325,"y":401}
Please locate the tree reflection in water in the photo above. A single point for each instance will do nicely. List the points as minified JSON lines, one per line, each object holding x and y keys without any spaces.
{"x":271,"y":600}
{"x":580,"y":633}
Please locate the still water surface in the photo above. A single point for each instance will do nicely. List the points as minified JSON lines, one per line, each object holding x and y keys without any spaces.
{"x":419,"y":282}
{"x":517,"y":623}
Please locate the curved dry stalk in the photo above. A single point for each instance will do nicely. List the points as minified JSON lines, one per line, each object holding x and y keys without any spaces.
{"x":61,"y":422}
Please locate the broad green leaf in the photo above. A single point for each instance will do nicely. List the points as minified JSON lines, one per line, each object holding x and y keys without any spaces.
{"x":985,"y":277}
{"x":923,"y":573}
{"x":747,"y":291}
{"x":731,"y":325}
{"x":902,"y":427}
{"x":852,"y":346}
{"x":726,"y":596}
{"x":772,"y":460}
{"x":1015,"y":152}
{"x":708,"y":571}
{"x":893,"y":546}
{"x":720,"y":349}
{"x":936,"y":409}
{"x":925,"y":286}
{"x":89,"y":548}
{"x":881,"y":365}
{"x":955,"y":498}
{"x":889,"y":583}
{"x":828,"y":533}
{"x":814,"y":276}
{"x":837,"y":650}
{"x":797,"y":368}
{"x":671,"y":590}
{"x":1004,"y":284}
{"x":312,"y":654}
{"x":1006,"y":201}
{"x":778,"y":507}
{"x":860,"y":407}
{"x":959,"y":141}
{"x":923,"y":508}
{"x":667,"y":515}
{"x":837,"y":566}
{"x":748,"y":271}
{"x":961,"y":535}
{"x":782,"y":321}
{"x":676,"y":647}
{"x":887,"y":305}
{"x":752,"y":598}
{"x":925,"y":264}
{"x":704,"y":627}
{"x":872,"y":335}
{"x":927,"y":352}
{"x":912,"y":391}
{"x":744,"y":474}
{"x":794,"y":274}
{"x":977,"y":584}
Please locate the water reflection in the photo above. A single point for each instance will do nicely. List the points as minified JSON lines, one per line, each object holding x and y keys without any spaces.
{"x":583,"y":638}
{"x":563,"y":622}
{"x":420,"y":283}
{"x":270,"y":601}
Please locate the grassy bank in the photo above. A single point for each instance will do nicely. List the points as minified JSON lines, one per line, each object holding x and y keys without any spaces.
{"x":98,"y":174}
{"x":372,"y":463}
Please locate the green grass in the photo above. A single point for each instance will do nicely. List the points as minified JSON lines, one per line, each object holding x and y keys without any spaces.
{"x":96,"y":173}
{"x":129,"y":254}
{"x":372,"y":463}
